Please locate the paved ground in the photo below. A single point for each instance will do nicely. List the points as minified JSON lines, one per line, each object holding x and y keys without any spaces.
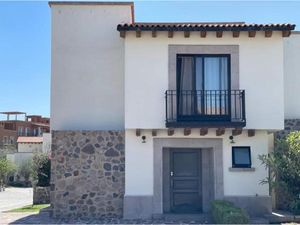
{"x":13,"y":198}
{"x":43,"y":218}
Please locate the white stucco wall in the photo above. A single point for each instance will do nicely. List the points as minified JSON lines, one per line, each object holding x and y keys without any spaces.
{"x":292,"y":76}
{"x":47,"y":142}
{"x":146,"y":76}
{"x":30,"y":147}
{"x":87,"y":70}
{"x":139,"y":162}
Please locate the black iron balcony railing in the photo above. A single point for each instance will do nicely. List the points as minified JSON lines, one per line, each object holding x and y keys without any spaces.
{"x":209,"y":108}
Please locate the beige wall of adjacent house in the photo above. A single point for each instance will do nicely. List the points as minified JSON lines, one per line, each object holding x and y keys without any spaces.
{"x":260,"y":74}
{"x":87,"y":84}
{"x":292,"y":76}
{"x":47,"y":142}
{"x":139,"y":162}
{"x":30,"y":147}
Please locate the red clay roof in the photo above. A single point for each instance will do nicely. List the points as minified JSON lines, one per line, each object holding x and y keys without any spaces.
{"x":220,"y":26}
{"x":30,"y":140}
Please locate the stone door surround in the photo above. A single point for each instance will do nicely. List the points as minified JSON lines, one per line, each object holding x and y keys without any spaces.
{"x":207,"y":144}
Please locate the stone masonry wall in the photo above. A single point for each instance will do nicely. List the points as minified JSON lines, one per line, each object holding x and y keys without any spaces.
{"x":87,"y":173}
{"x":289,"y":126}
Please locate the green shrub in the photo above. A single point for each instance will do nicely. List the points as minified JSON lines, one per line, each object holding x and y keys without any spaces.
{"x":224,"y":212}
{"x":295,"y":206}
{"x":283,"y":164}
{"x":6,"y":168}
{"x":41,"y":169}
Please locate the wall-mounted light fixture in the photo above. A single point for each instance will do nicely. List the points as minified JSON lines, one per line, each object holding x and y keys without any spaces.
{"x":143,"y":139}
{"x":231,"y":139}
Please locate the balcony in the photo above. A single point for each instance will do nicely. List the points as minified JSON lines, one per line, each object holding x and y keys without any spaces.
{"x":205,"y":108}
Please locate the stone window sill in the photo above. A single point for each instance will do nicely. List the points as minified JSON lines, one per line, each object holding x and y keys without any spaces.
{"x":231,"y":169}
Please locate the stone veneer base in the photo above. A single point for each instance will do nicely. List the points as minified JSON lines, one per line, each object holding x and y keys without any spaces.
{"x":87,"y":173}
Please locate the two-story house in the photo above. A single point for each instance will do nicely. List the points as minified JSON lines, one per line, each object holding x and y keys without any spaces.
{"x":149,"y":119}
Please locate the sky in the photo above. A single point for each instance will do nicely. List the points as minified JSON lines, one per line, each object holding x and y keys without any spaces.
{"x":25,"y":39}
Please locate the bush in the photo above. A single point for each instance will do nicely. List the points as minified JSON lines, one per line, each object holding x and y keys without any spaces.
{"x":224,"y":212}
{"x":41,"y":169}
{"x":284,"y":166}
{"x":295,"y":206}
{"x":6,"y":168}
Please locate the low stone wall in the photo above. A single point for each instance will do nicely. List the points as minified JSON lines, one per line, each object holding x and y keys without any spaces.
{"x":87,"y":173}
{"x":41,"y":195}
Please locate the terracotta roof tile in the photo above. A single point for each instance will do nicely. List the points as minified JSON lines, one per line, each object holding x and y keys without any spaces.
{"x":226,"y":26}
{"x":30,"y":139}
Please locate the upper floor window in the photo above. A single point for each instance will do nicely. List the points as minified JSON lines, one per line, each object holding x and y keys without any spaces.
{"x":27,"y":131}
{"x":203,"y":85}
{"x":20,"y":131}
{"x":203,"y":72}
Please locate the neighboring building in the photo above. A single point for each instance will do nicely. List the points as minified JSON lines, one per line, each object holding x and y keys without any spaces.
{"x":155,"y":118}
{"x":12,"y":128}
{"x":30,"y":144}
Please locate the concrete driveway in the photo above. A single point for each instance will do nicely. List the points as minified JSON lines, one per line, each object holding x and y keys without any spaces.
{"x":13,"y":198}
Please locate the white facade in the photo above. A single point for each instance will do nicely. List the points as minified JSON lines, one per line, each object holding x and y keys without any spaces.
{"x":47,"y":142}
{"x":140,"y":155}
{"x":30,"y":147}
{"x":101,"y":81}
{"x":87,"y":84}
{"x":292,"y":76}
{"x":260,"y":75}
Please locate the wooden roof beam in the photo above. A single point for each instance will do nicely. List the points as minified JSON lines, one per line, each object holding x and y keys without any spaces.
{"x":235,"y":34}
{"x":203,"y":34}
{"x":138,"y":132}
{"x":251,"y":133}
{"x":220,"y":131}
{"x":219,"y":34}
{"x":154,"y":133}
{"x":154,"y":33}
{"x":203,"y":131}
{"x":122,"y":34}
{"x":186,"y":131}
{"x":251,"y":33}
{"x":286,"y":33}
{"x":138,"y":33}
{"x":237,"y":131}
{"x":170,"y":34}
{"x":268,"y":33}
{"x":170,"y":132}
{"x":186,"y":34}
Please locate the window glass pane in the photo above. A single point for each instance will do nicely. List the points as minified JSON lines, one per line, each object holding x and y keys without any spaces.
{"x":186,"y":86}
{"x":215,"y":73}
{"x":199,"y":83}
{"x":241,"y":156}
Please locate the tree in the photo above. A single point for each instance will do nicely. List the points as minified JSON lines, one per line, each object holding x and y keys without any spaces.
{"x":25,"y":170}
{"x":6,"y":168}
{"x":284,"y":164}
{"x":41,"y":168}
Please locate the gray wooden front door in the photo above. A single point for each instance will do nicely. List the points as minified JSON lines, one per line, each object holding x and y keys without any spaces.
{"x":185,"y":181}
